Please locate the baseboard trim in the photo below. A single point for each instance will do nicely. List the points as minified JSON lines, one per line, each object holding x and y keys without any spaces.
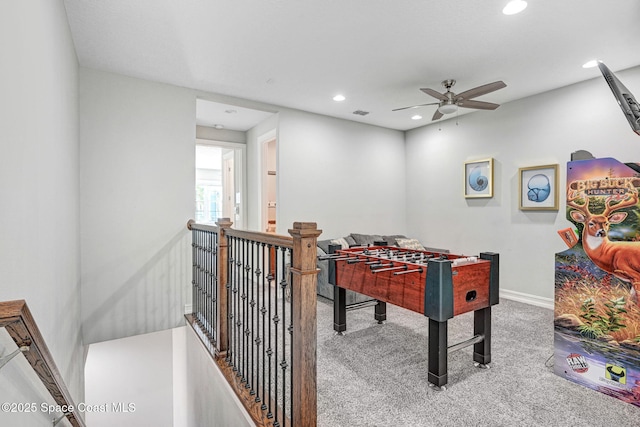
{"x":188,"y":309}
{"x":527,"y":298}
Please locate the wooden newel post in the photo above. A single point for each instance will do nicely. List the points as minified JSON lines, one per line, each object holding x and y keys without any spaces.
{"x":222,"y":340}
{"x":303,"y":299}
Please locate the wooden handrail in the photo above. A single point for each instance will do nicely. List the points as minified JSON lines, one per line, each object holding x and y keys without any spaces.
{"x":257,"y":236}
{"x":16,"y":318}
{"x":267,"y":238}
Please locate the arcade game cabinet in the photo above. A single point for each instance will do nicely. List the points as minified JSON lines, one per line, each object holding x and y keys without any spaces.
{"x":597,"y":280}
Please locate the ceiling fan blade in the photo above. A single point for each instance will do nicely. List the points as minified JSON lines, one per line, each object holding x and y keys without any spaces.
{"x":481,"y":90}
{"x":435,"y":94}
{"x":437,"y":115}
{"x":479,"y":105}
{"x":415,"y":106}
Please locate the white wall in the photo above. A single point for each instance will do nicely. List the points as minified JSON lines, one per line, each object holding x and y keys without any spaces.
{"x":538,"y":130}
{"x":214,"y":404}
{"x":39,"y":225}
{"x":345,"y":176}
{"x":137,"y":192}
{"x":342,"y":175}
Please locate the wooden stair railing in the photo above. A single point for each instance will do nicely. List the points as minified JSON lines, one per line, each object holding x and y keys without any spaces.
{"x":16,"y":318}
{"x":214,"y":289}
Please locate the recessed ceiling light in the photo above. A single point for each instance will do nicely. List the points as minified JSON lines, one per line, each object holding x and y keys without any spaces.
{"x":514,"y":6}
{"x":230,"y":111}
{"x":339,"y":98}
{"x":590,"y":64}
{"x":416,"y":117}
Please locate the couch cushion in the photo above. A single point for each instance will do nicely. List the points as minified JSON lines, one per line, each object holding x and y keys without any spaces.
{"x":324,"y":245}
{"x":391,"y":240}
{"x":365,"y":239}
{"x":350,"y":241}
{"x":345,"y":242}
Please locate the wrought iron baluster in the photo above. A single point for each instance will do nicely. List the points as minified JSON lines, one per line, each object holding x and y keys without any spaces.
{"x":258,"y":338}
{"x":237,"y":313}
{"x":270,"y":349}
{"x":284,"y":364}
{"x":264,"y":311}
{"x":194,"y":272}
{"x":291,"y":347}
{"x":245,"y":257}
{"x":245,"y":330}
{"x":214,"y":280}
{"x":230,"y":275}
{"x":199,"y":280}
{"x":234,"y":296}
{"x":206,"y":284}
{"x":252,"y":304}
{"x":212,"y":263}
{"x":276,"y":321}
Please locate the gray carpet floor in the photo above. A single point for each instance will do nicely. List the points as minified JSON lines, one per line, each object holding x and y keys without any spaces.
{"x":376,"y":375}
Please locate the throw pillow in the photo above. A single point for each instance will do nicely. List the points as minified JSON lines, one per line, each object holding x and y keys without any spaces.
{"x":410,"y":244}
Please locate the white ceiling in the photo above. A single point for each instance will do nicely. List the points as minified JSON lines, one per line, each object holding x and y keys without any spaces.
{"x":378,"y":53}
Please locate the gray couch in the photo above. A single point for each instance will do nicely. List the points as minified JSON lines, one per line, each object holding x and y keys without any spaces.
{"x":325,"y":288}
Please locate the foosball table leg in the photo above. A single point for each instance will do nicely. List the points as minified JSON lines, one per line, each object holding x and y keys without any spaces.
{"x":437,"y":354}
{"x":381,"y":312}
{"x":339,"y":310}
{"x":482,"y":326}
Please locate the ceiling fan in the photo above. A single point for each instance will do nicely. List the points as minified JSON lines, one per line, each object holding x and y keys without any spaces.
{"x":449,"y":101}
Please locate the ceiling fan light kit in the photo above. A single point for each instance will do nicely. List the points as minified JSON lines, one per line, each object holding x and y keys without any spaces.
{"x":448,"y":108}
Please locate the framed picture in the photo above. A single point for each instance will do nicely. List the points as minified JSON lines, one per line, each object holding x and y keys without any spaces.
{"x":478,"y":178}
{"x":538,"y":186}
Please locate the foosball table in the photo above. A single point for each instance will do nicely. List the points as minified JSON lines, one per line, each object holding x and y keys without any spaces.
{"x":437,"y":285}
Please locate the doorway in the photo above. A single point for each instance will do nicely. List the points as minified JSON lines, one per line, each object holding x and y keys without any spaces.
{"x":219,"y":183}
{"x":269,"y":181}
